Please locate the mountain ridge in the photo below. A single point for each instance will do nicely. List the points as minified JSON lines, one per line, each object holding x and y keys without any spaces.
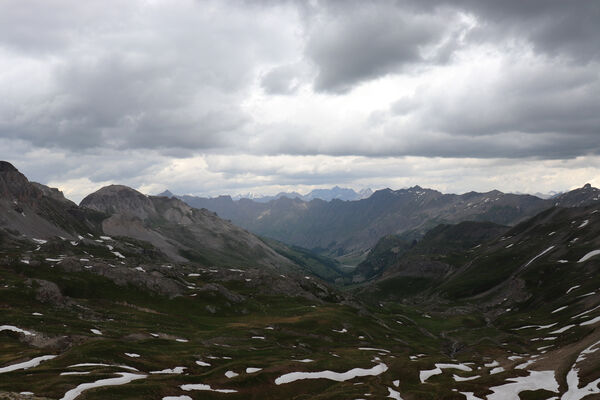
{"x":338,"y":228}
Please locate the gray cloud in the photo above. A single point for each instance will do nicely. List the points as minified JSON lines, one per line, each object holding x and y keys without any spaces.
{"x":115,"y":91}
{"x":368,"y":40}
{"x":157,"y":77}
{"x":352,"y":42}
{"x":555,"y":27}
{"x":282,"y":80}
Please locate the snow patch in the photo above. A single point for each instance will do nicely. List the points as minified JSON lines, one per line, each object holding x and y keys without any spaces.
{"x":589,"y":255}
{"x":200,"y":386}
{"x":15,"y":329}
{"x":537,"y":380}
{"x":124,"y":378}
{"x":34,"y":362}
{"x":334,"y":376}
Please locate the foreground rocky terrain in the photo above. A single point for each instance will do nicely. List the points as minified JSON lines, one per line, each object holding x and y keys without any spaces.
{"x":135,"y":297}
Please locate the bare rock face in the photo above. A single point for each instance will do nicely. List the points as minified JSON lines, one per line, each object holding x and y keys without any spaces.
{"x":14,"y":186}
{"x":53,"y":193}
{"x":49,"y":293}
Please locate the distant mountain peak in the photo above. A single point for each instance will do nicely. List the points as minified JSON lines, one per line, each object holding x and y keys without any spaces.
{"x":166,"y":193}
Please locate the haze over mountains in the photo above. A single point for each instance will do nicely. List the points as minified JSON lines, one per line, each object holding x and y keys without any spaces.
{"x":338,"y":228}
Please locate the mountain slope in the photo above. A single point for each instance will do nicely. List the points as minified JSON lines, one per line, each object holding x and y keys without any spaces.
{"x":180,"y":231}
{"x":427,"y":258}
{"x":37,"y":211}
{"x":339,"y":227}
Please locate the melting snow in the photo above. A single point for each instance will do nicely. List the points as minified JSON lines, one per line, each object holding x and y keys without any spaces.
{"x":334,"y":376}
{"x":252,"y":370}
{"x":525,"y":364}
{"x":559,"y":309}
{"x":40,"y":241}
{"x":116,"y":253}
{"x":393,"y":394}
{"x":585,"y":312}
{"x":182,"y":340}
{"x":563,"y":329}
{"x":75,"y":373}
{"x":424,"y":375}
{"x":496,"y":370}
{"x":132,"y":355}
{"x":492,"y":364}
{"x":343,"y":330}
{"x":572,"y":288}
{"x":591,"y":321}
{"x":34,"y":362}
{"x":202,"y":363}
{"x":539,"y":255}
{"x":200,"y":386}
{"x":589,"y":255}
{"x":183,"y":397}
{"x":306,"y":360}
{"x":537,"y":380}
{"x":584,"y":223}
{"x":123,"y":379}
{"x":176,"y":370}
{"x":373,"y":349}
{"x":101,"y":365}
{"x":231,"y":374}
{"x":96,"y":332}
{"x":462,"y":379}
{"x":15,"y":329}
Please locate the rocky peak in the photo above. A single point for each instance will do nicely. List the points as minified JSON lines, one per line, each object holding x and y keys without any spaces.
{"x":53,"y":193}
{"x":119,"y":199}
{"x":166,"y":193}
{"x":14,"y":186}
{"x":5,"y":166}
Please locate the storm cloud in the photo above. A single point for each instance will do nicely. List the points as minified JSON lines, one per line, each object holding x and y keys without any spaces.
{"x":150,"y":92}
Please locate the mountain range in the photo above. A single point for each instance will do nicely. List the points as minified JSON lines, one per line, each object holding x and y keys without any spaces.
{"x":131,"y":296}
{"x":336,"y":192}
{"x":342,"y":228}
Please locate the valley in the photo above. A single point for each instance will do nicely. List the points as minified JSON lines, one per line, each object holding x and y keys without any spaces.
{"x":131,"y":296}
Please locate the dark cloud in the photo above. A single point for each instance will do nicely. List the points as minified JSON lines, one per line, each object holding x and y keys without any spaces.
{"x":369,"y":40}
{"x":555,"y":27}
{"x":352,"y":42}
{"x":120,"y":91}
{"x":157,"y":76}
{"x":531,"y":97}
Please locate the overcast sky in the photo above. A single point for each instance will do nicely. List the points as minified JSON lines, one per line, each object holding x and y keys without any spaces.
{"x":208,"y":98}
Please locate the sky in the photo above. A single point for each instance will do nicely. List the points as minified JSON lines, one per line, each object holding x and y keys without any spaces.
{"x":228,"y":97}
